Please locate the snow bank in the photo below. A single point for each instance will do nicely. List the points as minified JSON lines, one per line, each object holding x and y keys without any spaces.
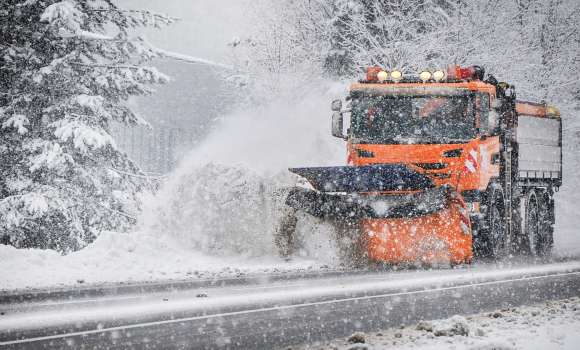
{"x":455,"y":325}
{"x":129,"y":258}
{"x":553,"y":325}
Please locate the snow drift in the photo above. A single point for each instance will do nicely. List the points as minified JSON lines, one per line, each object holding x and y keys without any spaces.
{"x":553,"y":325}
{"x":125,"y":258}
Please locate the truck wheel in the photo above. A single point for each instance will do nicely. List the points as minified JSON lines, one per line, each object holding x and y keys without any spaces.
{"x":545,"y":224}
{"x":496,"y":233}
{"x":532,"y":225}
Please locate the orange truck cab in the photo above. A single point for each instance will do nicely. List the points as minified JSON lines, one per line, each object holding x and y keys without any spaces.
{"x":436,"y":163}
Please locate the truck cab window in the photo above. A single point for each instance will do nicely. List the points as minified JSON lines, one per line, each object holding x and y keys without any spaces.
{"x":432,"y":119}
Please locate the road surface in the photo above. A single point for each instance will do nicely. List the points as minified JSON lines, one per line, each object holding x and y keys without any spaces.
{"x":272,"y":312}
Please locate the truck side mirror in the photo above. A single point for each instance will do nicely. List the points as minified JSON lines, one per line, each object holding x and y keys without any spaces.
{"x":337,"y":124}
{"x":336,"y":105}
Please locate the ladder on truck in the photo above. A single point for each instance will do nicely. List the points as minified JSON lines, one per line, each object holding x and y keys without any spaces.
{"x":510,"y":139}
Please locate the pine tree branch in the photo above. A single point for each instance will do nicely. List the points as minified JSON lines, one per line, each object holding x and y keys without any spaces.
{"x":190,"y":59}
{"x":104,"y":65}
{"x":165,"y":53}
{"x":118,"y":212}
{"x":126,"y":173}
{"x":135,"y":175}
{"x":96,"y":36}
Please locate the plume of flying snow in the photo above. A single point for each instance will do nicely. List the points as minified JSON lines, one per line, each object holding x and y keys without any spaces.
{"x":228,"y":194}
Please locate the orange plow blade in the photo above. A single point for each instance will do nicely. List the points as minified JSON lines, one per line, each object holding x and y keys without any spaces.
{"x":442,"y":237}
{"x":403,"y":216}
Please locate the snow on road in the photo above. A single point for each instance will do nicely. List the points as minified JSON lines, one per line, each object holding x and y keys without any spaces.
{"x":264,"y":294}
{"x":553,"y":325}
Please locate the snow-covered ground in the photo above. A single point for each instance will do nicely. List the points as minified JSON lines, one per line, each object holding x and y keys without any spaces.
{"x":553,"y":325}
{"x":118,"y":258}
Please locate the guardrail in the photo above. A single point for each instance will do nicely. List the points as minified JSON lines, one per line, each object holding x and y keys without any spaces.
{"x":157,"y":151}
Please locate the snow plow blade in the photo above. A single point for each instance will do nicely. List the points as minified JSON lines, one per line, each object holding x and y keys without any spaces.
{"x":368,"y":178}
{"x":439,"y":237}
{"x":350,"y":206}
{"x":403,"y":217}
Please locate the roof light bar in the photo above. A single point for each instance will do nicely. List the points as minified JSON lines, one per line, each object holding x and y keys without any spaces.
{"x":458,"y":73}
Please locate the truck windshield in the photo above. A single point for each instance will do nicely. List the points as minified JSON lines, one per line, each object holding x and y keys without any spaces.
{"x":425,"y":119}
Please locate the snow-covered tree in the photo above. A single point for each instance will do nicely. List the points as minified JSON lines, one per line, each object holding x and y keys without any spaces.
{"x":534,"y":44}
{"x":393,"y":34}
{"x":279,"y":51}
{"x":65,"y":70}
{"x":303,"y":41}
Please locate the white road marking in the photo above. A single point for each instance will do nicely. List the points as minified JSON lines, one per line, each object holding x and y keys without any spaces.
{"x":103,"y":330}
{"x":86,"y":301}
{"x":288,"y":285}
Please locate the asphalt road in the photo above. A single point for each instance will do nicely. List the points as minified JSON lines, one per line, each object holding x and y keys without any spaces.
{"x":271,"y":312}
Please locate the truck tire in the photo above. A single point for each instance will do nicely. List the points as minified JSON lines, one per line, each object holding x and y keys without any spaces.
{"x":496,"y":235}
{"x":545,"y":223}
{"x":493,"y":234}
{"x":531,"y":225}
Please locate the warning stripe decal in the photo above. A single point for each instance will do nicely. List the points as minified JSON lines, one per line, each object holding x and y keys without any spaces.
{"x":349,"y":159}
{"x":464,"y":229}
{"x":463,"y":219}
{"x":471,"y":162}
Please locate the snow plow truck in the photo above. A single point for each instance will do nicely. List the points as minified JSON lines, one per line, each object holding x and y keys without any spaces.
{"x":440,"y":166}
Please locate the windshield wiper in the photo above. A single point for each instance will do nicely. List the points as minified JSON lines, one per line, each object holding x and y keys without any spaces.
{"x":377,"y":141}
{"x":421,"y":140}
{"x":450,"y":140}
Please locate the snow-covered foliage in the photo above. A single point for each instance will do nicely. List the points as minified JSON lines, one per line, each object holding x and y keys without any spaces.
{"x":533,"y":44}
{"x":65,"y":69}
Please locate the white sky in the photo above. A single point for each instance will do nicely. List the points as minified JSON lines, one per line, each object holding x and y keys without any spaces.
{"x":204,"y":28}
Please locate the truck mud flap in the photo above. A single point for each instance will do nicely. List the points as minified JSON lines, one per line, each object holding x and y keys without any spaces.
{"x":333,"y":206}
